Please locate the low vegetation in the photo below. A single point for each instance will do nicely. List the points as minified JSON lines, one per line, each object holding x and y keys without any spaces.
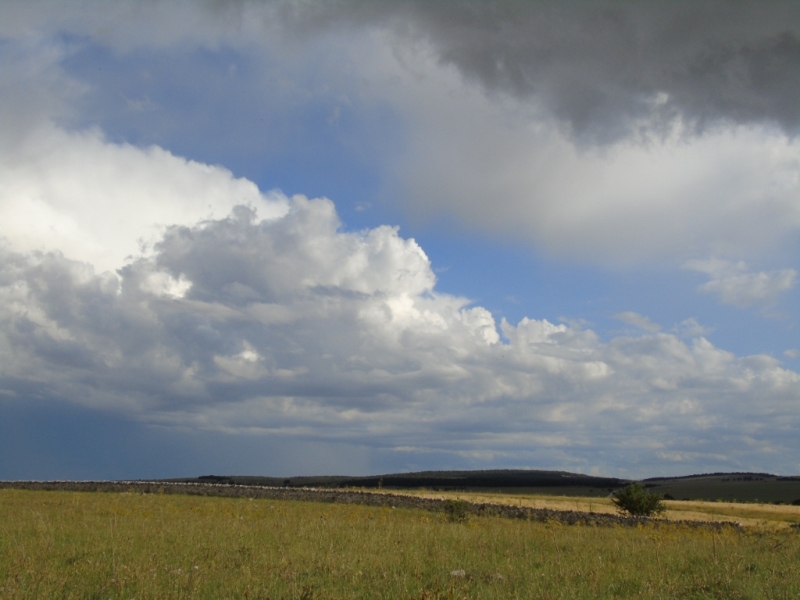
{"x":129,"y":545}
{"x":457,"y":511}
{"x":635,"y":500}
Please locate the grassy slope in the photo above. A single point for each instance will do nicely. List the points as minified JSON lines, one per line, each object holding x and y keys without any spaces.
{"x":80,"y":545}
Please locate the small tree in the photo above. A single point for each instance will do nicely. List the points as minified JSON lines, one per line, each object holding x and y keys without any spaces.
{"x":637,"y":501}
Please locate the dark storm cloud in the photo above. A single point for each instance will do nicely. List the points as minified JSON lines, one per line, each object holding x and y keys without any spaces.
{"x":602,"y":67}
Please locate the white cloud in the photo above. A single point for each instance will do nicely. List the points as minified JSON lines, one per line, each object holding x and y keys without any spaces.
{"x":292,"y":327}
{"x":637,"y":320}
{"x":736,"y":285}
{"x":73,"y":191}
{"x":102,"y":203}
{"x":691,"y":328}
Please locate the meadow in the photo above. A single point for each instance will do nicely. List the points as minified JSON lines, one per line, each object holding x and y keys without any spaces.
{"x":127,"y":545}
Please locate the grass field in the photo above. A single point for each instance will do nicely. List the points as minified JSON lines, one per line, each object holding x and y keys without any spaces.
{"x":109,"y":545}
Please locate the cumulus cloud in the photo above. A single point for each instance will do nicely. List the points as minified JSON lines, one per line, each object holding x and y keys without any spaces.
{"x":292,"y":327}
{"x":72,"y":190}
{"x":691,"y":328}
{"x":736,"y":285}
{"x":104,"y":203}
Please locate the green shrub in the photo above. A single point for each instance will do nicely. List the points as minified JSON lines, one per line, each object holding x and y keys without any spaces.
{"x":457,"y":510}
{"x":637,"y":501}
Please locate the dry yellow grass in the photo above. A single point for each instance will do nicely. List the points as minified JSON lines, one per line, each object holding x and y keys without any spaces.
{"x":761,"y":515}
{"x":747,"y":514}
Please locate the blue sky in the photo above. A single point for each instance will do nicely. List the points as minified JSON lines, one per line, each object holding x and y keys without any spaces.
{"x":290,"y":238}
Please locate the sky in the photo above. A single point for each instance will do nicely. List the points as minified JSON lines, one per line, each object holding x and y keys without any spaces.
{"x":292,"y":237}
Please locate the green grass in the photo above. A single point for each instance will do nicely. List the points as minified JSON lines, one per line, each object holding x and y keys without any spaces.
{"x":103,"y":545}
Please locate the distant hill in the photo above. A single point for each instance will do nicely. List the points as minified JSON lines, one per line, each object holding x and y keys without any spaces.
{"x":509,"y":481}
{"x":743,"y":487}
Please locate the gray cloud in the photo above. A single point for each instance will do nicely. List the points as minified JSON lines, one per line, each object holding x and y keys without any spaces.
{"x":685,"y":166}
{"x":604,"y":67}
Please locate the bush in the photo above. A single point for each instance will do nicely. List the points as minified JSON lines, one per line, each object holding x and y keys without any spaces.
{"x":637,"y":501}
{"x":457,"y":510}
